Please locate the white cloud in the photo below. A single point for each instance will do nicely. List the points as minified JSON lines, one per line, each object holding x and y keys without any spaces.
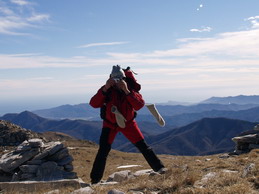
{"x":20,"y":2}
{"x":254,"y":21}
{"x":101,"y":44}
{"x":204,"y":29}
{"x":38,"y":18}
{"x":12,"y":21}
{"x":227,"y":60}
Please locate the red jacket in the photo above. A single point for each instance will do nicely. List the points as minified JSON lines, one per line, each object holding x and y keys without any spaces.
{"x":126,"y":104}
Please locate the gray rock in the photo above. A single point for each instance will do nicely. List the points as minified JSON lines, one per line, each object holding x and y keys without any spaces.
{"x":54,"y":147}
{"x":35,"y":143}
{"x":34,"y":186}
{"x":49,"y":171}
{"x":29,"y":168}
{"x":50,"y":149}
{"x":64,"y":161}
{"x":119,"y":176}
{"x":69,"y":167}
{"x":24,"y":146}
{"x":223,"y":156}
{"x":85,"y":190}
{"x":205,"y":180}
{"x":69,"y":175}
{"x":34,"y":162}
{"x":252,"y":138}
{"x":114,"y":191}
{"x":256,"y":127}
{"x":253,"y":146}
{"x":11,"y":161}
{"x":143,"y":172}
{"x":27,"y":176}
{"x":56,"y":191}
{"x":2,"y":125}
{"x":247,"y":170}
{"x":16,"y":176}
{"x":59,"y":155}
{"x":108,"y":183}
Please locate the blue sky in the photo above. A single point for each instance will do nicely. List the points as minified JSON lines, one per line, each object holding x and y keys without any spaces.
{"x":57,"y":52}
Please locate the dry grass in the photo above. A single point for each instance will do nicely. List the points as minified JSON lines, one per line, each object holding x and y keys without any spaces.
{"x":183,"y":172}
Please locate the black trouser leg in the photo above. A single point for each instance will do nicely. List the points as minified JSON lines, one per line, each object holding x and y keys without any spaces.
{"x":101,"y":157}
{"x":149,"y":155}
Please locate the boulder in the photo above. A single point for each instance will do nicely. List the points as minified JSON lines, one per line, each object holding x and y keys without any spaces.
{"x":12,"y":160}
{"x":247,"y":141}
{"x":35,"y":161}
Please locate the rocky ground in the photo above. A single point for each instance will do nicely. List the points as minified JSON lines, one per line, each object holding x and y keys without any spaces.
{"x":220,"y":173}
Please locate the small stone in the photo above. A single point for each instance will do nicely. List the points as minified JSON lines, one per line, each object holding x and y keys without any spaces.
{"x":143,"y":172}
{"x":119,"y":176}
{"x":256,"y":127}
{"x":85,"y":190}
{"x":114,"y":191}
{"x":35,"y":143}
{"x":224,"y":156}
{"x":247,"y":170}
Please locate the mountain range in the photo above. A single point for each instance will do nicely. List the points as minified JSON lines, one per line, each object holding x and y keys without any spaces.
{"x":175,"y":116}
{"x":86,"y":112}
{"x":203,"y":137}
{"x":206,"y":136}
{"x":241,"y":99}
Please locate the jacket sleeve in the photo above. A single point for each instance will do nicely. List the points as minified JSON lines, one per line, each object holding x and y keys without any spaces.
{"x":136,"y":100}
{"x":98,"y":99}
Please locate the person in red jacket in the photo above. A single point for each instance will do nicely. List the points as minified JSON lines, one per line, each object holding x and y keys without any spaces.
{"x":119,"y":99}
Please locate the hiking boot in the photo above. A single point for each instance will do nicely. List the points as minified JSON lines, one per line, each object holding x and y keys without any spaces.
{"x":162,"y":171}
{"x":94,"y":182}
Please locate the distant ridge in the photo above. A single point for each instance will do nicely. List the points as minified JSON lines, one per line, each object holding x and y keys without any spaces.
{"x":206,"y":136}
{"x":78,"y":111}
{"x":241,"y":99}
{"x":203,"y":137}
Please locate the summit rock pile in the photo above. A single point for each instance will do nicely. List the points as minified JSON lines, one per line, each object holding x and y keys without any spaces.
{"x":247,"y":141}
{"x":13,"y":135}
{"x":34,"y":160}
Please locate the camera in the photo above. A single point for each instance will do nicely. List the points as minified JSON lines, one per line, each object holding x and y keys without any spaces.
{"x":116,"y":80}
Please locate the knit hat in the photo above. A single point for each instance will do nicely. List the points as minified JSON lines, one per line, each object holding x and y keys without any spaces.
{"x":131,"y":79}
{"x":117,"y":72}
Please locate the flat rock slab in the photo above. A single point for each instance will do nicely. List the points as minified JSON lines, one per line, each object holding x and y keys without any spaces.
{"x":34,"y":186}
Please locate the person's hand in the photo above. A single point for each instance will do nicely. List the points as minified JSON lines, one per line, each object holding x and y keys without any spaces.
{"x":109,"y":83}
{"x":123,"y":86}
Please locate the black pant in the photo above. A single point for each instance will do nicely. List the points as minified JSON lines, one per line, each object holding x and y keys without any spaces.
{"x":104,"y":149}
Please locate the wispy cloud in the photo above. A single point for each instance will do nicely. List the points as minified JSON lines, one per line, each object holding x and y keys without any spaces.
{"x":226,"y":60}
{"x":13,"y":21}
{"x":20,"y":2}
{"x":200,"y":6}
{"x":102,"y":44}
{"x":254,"y":21}
{"x":203,"y":29}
